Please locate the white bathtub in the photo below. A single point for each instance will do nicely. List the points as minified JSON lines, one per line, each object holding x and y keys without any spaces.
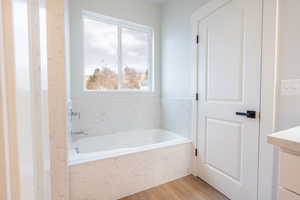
{"x":114,"y":166}
{"x":101,"y":147}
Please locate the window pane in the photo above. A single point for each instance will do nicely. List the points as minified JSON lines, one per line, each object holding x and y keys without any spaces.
{"x":101,"y":55}
{"x":135,"y":52}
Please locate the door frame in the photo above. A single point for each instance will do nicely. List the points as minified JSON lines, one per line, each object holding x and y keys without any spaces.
{"x":57,"y":87}
{"x":3,"y":160}
{"x":267,"y":169}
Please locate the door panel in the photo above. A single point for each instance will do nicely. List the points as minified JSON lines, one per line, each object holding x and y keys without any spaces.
{"x":227,"y":137}
{"x":229,"y":82}
{"x":225,"y":44}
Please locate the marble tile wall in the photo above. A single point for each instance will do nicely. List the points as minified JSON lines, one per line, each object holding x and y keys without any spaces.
{"x":109,"y":115}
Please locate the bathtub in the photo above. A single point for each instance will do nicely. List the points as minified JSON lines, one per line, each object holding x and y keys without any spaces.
{"x":101,"y":147}
{"x":114,"y":166}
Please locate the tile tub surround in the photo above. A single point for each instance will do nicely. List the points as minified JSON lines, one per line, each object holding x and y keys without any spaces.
{"x":107,"y":115}
{"x":114,"y":178}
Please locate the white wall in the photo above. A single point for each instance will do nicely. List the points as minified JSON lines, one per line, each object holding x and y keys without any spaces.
{"x":289,"y":61}
{"x":176,"y":67}
{"x":177,"y":47}
{"x":111,"y":112}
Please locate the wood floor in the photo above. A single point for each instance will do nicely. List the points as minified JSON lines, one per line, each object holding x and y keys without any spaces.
{"x":187,"y":188}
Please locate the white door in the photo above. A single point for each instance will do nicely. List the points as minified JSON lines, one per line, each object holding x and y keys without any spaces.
{"x":229,"y":82}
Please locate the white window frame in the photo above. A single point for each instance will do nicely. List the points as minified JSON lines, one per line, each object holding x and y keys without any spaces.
{"x":121,"y":24}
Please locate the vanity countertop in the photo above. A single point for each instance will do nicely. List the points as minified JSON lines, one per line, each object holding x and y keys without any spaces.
{"x":288,"y":139}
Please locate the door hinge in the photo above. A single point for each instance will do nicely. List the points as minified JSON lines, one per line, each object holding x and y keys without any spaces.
{"x":197,"y":96}
{"x":197,"y":39}
{"x":196,"y":152}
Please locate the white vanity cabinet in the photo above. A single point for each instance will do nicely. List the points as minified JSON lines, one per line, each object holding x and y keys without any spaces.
{"x":289,"y":163}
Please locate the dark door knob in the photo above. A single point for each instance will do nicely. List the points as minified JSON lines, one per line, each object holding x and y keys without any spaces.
{"x":249,"y":114}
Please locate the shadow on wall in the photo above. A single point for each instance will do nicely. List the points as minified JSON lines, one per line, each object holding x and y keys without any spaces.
{"x":176,"y":68}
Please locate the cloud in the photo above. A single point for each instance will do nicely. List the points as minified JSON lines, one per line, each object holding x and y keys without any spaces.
{"x":101,"y":46}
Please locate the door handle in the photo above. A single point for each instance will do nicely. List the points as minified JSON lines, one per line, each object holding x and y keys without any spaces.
{"x":249,"y":114}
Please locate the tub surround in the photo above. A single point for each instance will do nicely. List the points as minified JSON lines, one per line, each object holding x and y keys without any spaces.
{"x":289,"y":162}
{"x":105,"y":115}
{"x":124,"y":175}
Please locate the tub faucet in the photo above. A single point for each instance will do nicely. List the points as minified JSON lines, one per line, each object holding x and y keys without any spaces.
{"x":79,"y":133}
{"x":75,"y":114}
{"x":77,"y":150}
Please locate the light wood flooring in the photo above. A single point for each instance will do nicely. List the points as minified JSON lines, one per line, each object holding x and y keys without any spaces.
{"x":187,"y":188}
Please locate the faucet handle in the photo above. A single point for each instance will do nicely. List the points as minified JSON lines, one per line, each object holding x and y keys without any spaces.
{"x":75,"y":114}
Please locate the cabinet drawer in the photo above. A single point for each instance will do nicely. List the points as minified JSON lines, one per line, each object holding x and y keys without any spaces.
{"x":287,"y":195}
{"x":289,"y":172}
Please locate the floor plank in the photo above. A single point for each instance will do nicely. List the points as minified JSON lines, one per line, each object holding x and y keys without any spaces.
{"x":187,"y":188}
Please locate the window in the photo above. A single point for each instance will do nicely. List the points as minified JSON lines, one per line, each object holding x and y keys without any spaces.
{"x":117,"y":55}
